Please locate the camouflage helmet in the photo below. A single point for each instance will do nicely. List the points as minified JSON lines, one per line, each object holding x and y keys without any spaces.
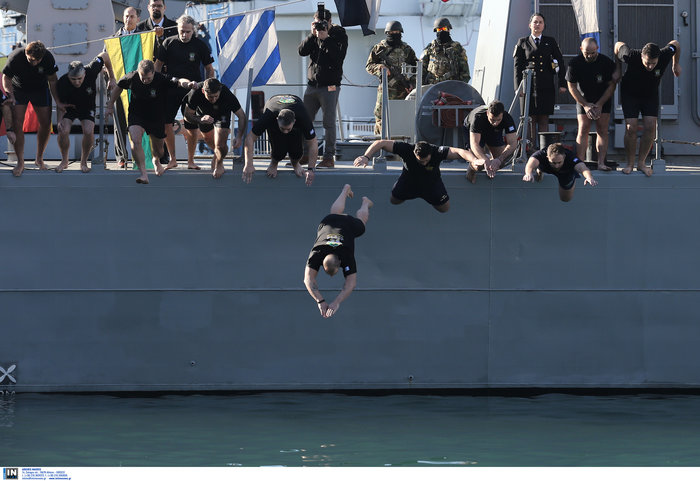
{"x":442,"y":22}
{"x":394,"y":26}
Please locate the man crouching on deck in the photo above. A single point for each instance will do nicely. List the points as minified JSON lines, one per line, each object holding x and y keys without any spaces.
{"x":335,"y":248}
{"x":562,"y":163}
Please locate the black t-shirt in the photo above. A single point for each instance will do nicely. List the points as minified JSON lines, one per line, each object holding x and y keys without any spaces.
{"x":336,"y":235}
{"x":413,"y":168}
{"x":147,"y":101}
{"x":183,"y":59}
{"x":82,"y":97}
{"x":478,"y":122}
{"x":226,"y":104}
{"x":567,"y":168}
{"x":593,"y":78}
{"x":268,"y":120}
{"x":638,"y":80}
{"x":26,"y":76}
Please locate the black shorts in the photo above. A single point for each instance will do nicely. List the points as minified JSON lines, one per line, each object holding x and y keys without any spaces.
{"x":567,"y":180}
{"x":73,"y":114}
{"x":173,"y":102}
{"x":432,"y":191}
{"x":607,"y":106}
{"x":154,"y":128}
{"x":223,"y":123}
{"x":540,"y":104}
{"x":492,"y":139}
{"x":632,"y":105}
{"x":38,"y":98}
{"x":283,"y":144}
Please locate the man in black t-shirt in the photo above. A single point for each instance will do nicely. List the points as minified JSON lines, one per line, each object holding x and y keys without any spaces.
{"x":639,"y":93}
{"x":182,"y":55}
{"x":486,"y":127}
{"x":149,"y":90}
{"x":334,"y":249}
{"x":288,"y":127}
{"x":77,"y":90}
{"x":209,"y":109}
{"x":420,"y":176}
{"x":591,"y":78}
{"x":562,"y":163}
{"x":24,"y":78}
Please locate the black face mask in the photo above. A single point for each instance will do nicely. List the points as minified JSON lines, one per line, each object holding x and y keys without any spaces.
{"x":444,"y":37}
{"x":393,"y":39}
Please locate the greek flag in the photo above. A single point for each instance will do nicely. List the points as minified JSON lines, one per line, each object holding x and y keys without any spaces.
{"x":586,"y":13}
{"x":249,"y":41}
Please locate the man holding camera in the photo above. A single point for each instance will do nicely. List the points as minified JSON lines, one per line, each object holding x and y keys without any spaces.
{"x":326,"y":47}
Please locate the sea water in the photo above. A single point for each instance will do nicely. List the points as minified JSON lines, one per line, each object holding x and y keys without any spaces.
{"x":319,"y":429}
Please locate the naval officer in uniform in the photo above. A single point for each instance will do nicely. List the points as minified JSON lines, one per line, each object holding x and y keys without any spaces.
{"x":546,"y":56}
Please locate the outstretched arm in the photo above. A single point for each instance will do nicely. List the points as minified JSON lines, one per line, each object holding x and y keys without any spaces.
{"x":676,"y":66}
{"x":311,"y":286}
{"x":242,"y":128}
{"x":457,"y":153}
{"x":582,"y":169}
{"x":249,"y":167}
{"x":377,"y":145}
{"x":532,"y":164}
{"x":350,"y":283}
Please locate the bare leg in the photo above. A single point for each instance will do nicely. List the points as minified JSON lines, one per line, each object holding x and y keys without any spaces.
{"x":338,"y":206}
{"x":43,"y":115}
{"x":443,"y":208}
{"x":191,"y":136}
{"x":630,"y":144}
{"x":584,"y":126}
{"x":221,"y":142}
{"x":158,"y":152}
{"x":363,"y":212}
{"x":601,"y":127}
{"x":566,"y":195}
{"x":88,"y":144}
{"x":135,"y":136}
{"x":170,"y":143}
{"x":64,"y":143}
{"x":296,"y":164}
{"x":18,"y":113}
{"x":646,"y":143}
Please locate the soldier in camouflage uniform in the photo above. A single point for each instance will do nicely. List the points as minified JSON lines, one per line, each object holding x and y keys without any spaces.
{"x":390,"y":54}
{"x":444,"y":59}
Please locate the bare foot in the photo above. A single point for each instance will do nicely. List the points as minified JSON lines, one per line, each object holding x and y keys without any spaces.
{"x":627,"y":170}
{"x":603,"y":167}
{"x":142,"y":180}
{"x":40,"y":163}
{"x":84,"y":168}
{"x":348,"y":191}
{"x":219,"y":171}
{"x":171,"y":165}
{"x":17,"y":171}
{"x":365,"y":200}
{"x":158,"y":167}
{"x":63,"y":165}
{"x":193,"y":166}
{"x":643,"y":168}
{"x":471,"y":174}
{"x":272,"y":171}
{"x":298,"y":170}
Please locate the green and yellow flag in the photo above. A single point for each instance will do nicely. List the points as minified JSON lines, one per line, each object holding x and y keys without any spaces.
{"x":126,"y":52}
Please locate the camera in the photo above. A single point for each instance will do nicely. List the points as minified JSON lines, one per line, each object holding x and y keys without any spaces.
{"x":321,"y":24}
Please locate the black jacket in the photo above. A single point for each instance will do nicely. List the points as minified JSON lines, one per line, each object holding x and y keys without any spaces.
{"x":148,"y":25}
{"x":542,"y":56}
{"x":327,"y":56}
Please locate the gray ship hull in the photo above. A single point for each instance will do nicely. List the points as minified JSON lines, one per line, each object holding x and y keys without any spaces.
{"x":191,"y":284}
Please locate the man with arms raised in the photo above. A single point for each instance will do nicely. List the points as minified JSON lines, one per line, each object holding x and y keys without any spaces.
{"x":288,"y":128}
{"x":30,"y":76}
{"x":149,"y":90}
{"x":639,"y":93}
{"x":334,"y":249}
{"x":182,"y":56}
{"x":209,"y":109}
{"x":563,"y":164}
{"x":421,"y":170}
{"x":591,"y":77}
{"x":484,"y":129}
{"x":77,"y":90}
